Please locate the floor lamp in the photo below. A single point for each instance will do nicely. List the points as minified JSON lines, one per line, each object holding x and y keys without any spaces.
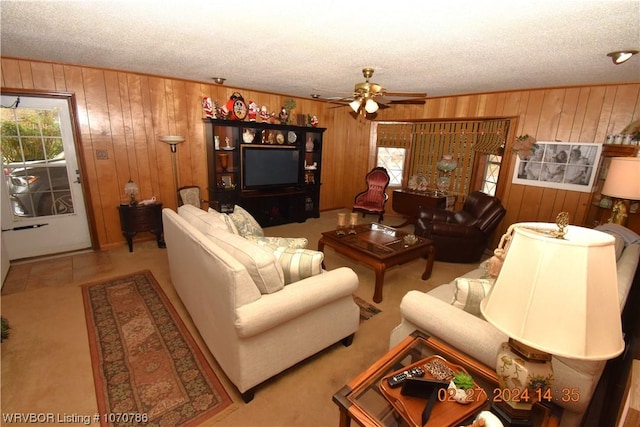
{"x":173,"y":141}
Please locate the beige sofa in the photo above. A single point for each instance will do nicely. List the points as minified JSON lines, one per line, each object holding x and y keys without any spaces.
{"x":254,"y":325}
{"x":434,"y":314}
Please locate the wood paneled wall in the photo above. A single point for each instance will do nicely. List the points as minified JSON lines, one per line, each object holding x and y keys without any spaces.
{"x":575,"y":114}
{"x":124,"y":113}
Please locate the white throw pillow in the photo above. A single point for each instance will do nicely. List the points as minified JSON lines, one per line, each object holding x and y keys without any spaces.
{"x":261,"y":264}
{"x":204,"y":221}
{"x":287,"y":242}
{"x":297,"y":264}
{"x":469,"y":293}
{"x":226,"y":219}
{"x":245,"y":223}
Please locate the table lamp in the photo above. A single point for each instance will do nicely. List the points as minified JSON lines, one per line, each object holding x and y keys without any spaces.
{"x":622,"y":183}
{"x":131,"y":189}
{"x":554,"y":295}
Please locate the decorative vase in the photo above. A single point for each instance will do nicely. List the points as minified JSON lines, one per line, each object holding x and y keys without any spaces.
{"x":446,"y":165}
{"x":309,"y":145}
{"x":443,"y":183}
{"x":223,"y":158}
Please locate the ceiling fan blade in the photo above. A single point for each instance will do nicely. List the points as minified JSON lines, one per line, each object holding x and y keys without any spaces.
{"x":318,"y":90}
{"x":408,"y":102}
{"x":406,"y":94}
{"x":341,"y":101}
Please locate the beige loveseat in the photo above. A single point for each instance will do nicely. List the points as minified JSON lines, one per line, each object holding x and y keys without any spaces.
{"x":434,"y":314}
{"x":234,"y":290}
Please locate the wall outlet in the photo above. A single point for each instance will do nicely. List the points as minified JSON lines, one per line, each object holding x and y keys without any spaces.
{"x":102,"y":155}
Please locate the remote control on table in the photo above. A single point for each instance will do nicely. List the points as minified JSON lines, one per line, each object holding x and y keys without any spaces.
{"x":398,"y":379}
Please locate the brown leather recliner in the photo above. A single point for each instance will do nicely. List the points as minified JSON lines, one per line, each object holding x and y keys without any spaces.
{"x":461,"y":236}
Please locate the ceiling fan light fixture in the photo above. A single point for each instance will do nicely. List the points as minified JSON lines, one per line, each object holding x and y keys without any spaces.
{"x":620,"y":56}
{"x":355,"y":104}
{"x":371,"y":106}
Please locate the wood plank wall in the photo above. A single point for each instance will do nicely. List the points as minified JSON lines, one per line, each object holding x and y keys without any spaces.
{"x":574,"y":114}
{"x":124,"y":113}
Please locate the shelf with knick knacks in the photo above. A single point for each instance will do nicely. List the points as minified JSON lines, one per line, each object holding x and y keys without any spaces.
{"x":250,"y":160}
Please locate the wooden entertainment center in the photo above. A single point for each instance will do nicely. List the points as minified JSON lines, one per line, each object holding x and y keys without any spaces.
{"x":271,"y":170}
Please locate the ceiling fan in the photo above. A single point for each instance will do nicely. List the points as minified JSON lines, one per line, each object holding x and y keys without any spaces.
{"x":368,"y":97}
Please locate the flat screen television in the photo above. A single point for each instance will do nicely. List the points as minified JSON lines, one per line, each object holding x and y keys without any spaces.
{"x":264,"y":167}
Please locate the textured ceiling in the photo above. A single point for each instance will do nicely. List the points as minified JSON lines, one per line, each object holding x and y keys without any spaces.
{"x":291,"y":47}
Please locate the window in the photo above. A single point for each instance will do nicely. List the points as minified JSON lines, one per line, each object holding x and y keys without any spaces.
{"x":490,"y":176}
{"x":392,"y":159}
{"x":34,"y":163}
{"x":415,"y":148}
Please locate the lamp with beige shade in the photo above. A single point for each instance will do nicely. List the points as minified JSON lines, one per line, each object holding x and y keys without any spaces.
{"x":623,"y":184}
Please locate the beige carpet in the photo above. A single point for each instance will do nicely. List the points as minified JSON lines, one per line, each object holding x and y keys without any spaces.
{"x":46,"y":364}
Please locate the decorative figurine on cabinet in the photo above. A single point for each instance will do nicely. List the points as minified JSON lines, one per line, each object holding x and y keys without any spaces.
{"x":236,"y":107}
{"x":207,"y":107}
{"x":253,"y":111}
{"x":222,"y":112}
{"x":283,"y":116}
{"x":264,"y":113}
{"x":314,"y":121}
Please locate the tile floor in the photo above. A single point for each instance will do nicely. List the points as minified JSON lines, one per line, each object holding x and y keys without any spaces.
{"x":76,"y":268}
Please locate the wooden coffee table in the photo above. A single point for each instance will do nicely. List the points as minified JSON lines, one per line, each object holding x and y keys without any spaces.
{"x":362,"y":401}
{"x":380,"y":247}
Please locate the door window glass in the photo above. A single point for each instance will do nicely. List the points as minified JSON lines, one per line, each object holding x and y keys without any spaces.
{"x":33,"y":162}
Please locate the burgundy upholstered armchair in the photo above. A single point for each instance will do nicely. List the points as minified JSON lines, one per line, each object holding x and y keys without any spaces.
{"x":461,"y":236}
{"x":374,"y":198}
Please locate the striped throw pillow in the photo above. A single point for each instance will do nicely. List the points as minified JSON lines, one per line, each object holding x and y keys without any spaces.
{"x":297,"y":264}
{"x":469,"y":294}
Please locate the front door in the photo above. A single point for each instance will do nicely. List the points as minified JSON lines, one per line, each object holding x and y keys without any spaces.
{"x":43,"y":210}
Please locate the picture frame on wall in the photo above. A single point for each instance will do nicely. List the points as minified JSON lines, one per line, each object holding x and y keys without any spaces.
{"x":562,"y":165}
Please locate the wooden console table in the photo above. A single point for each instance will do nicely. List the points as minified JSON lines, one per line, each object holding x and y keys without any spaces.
{"x":137,"y":218}
{"x":407,"y":203}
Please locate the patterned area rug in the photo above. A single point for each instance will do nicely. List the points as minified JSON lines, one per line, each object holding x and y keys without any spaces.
{"x":367,"y":311}
{"x":147,"y":367}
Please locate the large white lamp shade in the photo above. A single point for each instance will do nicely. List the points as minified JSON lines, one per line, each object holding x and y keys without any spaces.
{"x":559,"y":295}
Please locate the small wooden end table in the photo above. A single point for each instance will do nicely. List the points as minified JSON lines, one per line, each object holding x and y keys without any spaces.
{"x":138,"y":218}
{"x":378,"y":246}
{"x":408,"y":203}
{"x":362,"y":401}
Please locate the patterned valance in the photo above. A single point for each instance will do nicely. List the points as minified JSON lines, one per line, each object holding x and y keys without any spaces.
{"x":395,"y":135}
{"x":427,"y":142}
{"x":483,"y":136}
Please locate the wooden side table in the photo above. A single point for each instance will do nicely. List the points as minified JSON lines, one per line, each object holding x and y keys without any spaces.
{"x":139,"y":218}
{"x":360,"y":400}
{"x":408,"y":203}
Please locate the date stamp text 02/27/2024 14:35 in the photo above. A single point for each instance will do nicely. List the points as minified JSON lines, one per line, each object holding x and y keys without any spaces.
{"x":515,"y":395}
